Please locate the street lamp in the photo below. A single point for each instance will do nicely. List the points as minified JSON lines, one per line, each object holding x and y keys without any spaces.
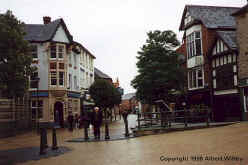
{"x":37,"y":79}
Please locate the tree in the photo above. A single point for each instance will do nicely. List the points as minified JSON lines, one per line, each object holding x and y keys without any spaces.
{"x":15,"y":56}
{"x":159,"y":72}
{"x":105,"y":95}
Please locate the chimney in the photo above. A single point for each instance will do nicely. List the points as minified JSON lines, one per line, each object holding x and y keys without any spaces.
{"x":46,"y":19}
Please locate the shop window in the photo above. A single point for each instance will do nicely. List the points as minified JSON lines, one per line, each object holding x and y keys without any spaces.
{"x":37,"y":109}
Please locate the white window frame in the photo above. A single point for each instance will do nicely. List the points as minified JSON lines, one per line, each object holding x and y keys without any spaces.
{"x":191,"y":80}
{"x":191,"y":44}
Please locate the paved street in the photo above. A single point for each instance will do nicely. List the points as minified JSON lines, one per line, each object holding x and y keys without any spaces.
{"x":178,"y":147}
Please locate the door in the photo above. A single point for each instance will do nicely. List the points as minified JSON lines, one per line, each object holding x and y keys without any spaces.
{"x":59,"y":114}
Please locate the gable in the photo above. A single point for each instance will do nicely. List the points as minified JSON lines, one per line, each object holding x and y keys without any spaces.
{"x":60,"y":35}
{"x":219,"y":47}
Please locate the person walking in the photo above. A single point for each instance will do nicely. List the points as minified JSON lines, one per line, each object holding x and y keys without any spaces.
{"x":70,"y":119}
{"x":77,"y":121}
{"x":97,"y":121}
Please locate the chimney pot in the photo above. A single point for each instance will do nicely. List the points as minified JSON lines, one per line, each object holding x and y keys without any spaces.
{"x":46,"y":20}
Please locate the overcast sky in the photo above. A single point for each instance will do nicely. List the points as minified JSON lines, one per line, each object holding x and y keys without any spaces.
{"x":113,"y":30}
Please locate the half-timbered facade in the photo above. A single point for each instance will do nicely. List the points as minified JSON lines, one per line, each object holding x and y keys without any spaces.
{"x":226,"y":105}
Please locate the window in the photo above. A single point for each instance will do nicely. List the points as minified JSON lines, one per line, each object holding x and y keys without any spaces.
{"x":53,"y":65}
{"x":61,"y":78}
{"x":195,"y":78}
{"x":234,"y":58}
{"x":75,"y":82}
{"x":37,"y":108}
{"x":213,"y":63}
{"x":221,"y":60}
{"x":53,"y":51}
{"x":217,"y":62}
{"x":229,"y":58}
{"x":33,"y":80}
{"x":34,"y":51}
{"x":61,"y":51}
{"x":53,"y":78}
{"x":225,"y":59}
{"x":70,"y":81}
{"x":194,"y":46}
{"x":61,"y":66}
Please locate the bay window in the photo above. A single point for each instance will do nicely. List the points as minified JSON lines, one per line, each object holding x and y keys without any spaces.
{"x":61,"y":78}
{"x":195,"y":78}
{"x":194,"y":45}
{"x":57,"y":51}
{"x":53,"y":78}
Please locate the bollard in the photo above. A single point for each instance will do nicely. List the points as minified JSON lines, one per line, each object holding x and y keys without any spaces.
{"x":126,"y":128}
{"x":54,"y":147}
{"x":106,"y":131}
{"x":86,"y":136}
{"x":45,"y":138}
{"x":42,"y":142}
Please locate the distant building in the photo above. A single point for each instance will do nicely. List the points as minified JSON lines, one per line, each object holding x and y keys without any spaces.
{"x":129,"y":102}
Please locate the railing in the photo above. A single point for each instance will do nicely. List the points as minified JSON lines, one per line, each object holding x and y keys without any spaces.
{"x":179,"y":117}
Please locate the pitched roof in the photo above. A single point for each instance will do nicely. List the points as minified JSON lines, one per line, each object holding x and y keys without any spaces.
{"x":229,"y":37}
{"x":127,"y":96}
{"x":43,"y":32}
{"x":85,"y":49}
{"x":100,"y":74}
{"x":211,"y":16}
{"x":241,"y":11}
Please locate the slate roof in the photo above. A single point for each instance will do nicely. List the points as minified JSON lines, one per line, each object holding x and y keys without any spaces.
{"x":229,"y":37}
{"x":241,"y":11}
{"x":43,"y":32}
{"x":127,"y":96}
{"x":100,"y":74}
{"x":211,"y":16}
{"x":84,"y":49}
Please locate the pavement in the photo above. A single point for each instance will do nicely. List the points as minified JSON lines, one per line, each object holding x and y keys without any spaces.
{"x":201,"y":146}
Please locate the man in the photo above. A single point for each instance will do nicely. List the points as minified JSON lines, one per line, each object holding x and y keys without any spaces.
{"x":97,"y":121}
{"x":124,"y":116}
{"x":70,"y":121}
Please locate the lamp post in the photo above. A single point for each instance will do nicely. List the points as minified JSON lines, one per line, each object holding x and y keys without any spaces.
{"x":37,"y":79}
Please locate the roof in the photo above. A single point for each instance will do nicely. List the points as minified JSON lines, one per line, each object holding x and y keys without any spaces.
{"x":128,"y":96}
{"x":211,"y":16}
{"x":241,"y":11}
{"x":100,"y":74}
{"x":229,"y":37}
{"x":44,"y":32}
{"x":85,"y":49}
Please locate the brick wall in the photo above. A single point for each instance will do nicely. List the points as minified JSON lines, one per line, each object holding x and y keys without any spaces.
{"x":242,"y":37}
{"x":208,"y":39}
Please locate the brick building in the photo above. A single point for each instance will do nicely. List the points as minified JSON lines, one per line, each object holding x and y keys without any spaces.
{"x":202,"y":26}
{"x":241,"y":17}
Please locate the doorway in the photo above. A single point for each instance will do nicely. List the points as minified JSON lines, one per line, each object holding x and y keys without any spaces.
{"x":59,"y":114}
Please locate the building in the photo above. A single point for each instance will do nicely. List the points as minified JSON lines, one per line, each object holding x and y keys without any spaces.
{"x":204,"y":27}
{"x":65,"y":70}
{"x":100,"y":75}
{"x":241,"y":17}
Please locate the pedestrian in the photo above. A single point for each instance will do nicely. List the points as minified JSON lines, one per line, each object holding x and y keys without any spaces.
{"x":76,"y":121}
{"x":70,"y":119}
{"x":124,"y":116}
{"x":97,"y":121}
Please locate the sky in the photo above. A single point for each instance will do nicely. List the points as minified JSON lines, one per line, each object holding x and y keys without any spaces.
{"x":112,"y":30}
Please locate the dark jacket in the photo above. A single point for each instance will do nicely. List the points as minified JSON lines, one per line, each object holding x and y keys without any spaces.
{"x":70,"y":118}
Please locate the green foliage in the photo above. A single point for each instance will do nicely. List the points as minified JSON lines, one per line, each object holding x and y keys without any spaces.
{"x":158,"y":67}
{"x":15,"y":57}
{"x":105,"y":95}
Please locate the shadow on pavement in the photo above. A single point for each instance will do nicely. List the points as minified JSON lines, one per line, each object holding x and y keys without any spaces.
{"x":21,"y":155}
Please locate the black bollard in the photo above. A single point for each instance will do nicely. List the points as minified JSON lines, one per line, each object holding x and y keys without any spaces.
{"x":45,"y":138}
{"x":42,"y":142}
{"x":126,"y":128}
{"x":106,"y":131}
{"x":54,"y":147}
{"x":86,"y":136}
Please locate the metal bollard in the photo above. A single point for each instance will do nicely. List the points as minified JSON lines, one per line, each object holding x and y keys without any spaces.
{"x":86,"y":136}
{"x":106,"y":131}
{"x":54,"y":147}
{"x":42,"y":142}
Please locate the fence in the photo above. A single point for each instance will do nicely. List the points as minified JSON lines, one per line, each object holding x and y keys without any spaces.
{"x":15,"y":116}
{"x":167,"y":119}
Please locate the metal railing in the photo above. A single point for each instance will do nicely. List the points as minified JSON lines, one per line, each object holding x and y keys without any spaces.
{"x":179,"y":117}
